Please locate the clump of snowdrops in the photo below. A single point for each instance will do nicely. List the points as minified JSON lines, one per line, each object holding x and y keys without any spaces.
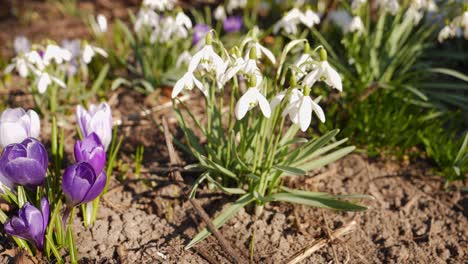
{"x":46,"y":196}
{"x":58,"y":73}
{"x":258,"y":135}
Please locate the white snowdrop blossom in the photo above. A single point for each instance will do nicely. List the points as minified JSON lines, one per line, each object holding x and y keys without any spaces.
{"x":235,"y":4}
{"x":169,"y":28}
{"x":290,"y":21}
{"x":310,"y":18}
{"x":220,"y":13}
{"x":248,"y":67}
{"x":262,"y":50}
{"x":461,"y":22}
{"x":249,"y":100}
{"x":323,"y":72}
{"x":187,"y":82}
{"x":57,"y":54}
{"x":356,"y":25}
{"x":145,"y":18}
{"x":44,"y":79}
{"x":447,"y":32}
{"x":206,"y":59}
{"x":24,"y":63}
{"x":300,"y":109}
{"x":159,"y":5}
{"x":102,"y":23}
{"x":303,"y":64}
{"x":89,"y":52}
{"x":392,"y":6}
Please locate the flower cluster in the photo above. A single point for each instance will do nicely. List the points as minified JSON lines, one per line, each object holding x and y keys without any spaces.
{"x":293,"y":18}
{"x":46,"y":63}
{"x":456,"y":28}
{"x":24,"y":164}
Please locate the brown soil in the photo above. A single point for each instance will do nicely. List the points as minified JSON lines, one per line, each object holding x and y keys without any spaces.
{"x":412,"y":220}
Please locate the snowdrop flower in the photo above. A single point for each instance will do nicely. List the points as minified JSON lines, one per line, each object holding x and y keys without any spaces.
{"x":220,"y":13}
{"x":182,"y":25}
{"x":102,"y":23}
{"x":356,"y":25}
{"x":249,"y":100}
{"x":392,"y":6}
{"x":16,"y":125}
{"x":184,"y":59}
{"x":300,"y":109}
{"x":23,"y":63}
{"x":145,"y":17}
{"x":446,"y":32}
{"x":261,"y":50}
{"x":207,"y":59}
{"x":235,"y":4}
{"x":187,"y":82}
{"x":160,"y":5}
{"x":323,"y":72}
{"x":248,"y":67}
{"x":289,"y":22}
{"x":44,"y":80}
{"x":89,"y":52}
{"x":414,"y":14}
{"x":310,"y":18}
{"x":21,"y":45}
{"x":56,"y":53}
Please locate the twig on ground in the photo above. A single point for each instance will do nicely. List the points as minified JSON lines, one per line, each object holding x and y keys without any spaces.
{"x":177,"y":177}
{"x":306,"y":252}
{"x":325,"y":219}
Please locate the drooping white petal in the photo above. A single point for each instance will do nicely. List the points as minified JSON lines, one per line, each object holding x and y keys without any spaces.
{"x":305,"y":113}
{"x":88,"y":54}
{"x":102,"y":23}
{"x":264,"y":105}
{"x":243,"y":104}
{"x":277,"y":100}
{"x":333,"y":79}
{"x":262,"y":50}
{"x":318,"y":110}
{"x":43,"y":82}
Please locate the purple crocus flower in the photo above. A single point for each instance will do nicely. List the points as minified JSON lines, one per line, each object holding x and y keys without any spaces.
{"x":81,"y":184}
{"x":25,"y":163}
{"x":91,"y":150}
{"x":233,"y":24}
{"x":30,"y":224}
{"x":199,"y":32}
{"x":97,"y":119}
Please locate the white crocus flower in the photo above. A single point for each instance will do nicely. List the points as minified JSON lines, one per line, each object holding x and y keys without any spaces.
{"x":220,"y":13}
{"x":102,"y":23}
{"x":324,"y":72}
{"x":300,"y":109}
{"x":16,"y":125}
{"x":207,"y":59}
{"x":187,"y":82}
{"x":356,"y":25}
{"x":184,"y":59}
{"x":249,"y":100}
{"x":56,"y":53}
{"x":44,"y":80}
{"x":89,"y":52}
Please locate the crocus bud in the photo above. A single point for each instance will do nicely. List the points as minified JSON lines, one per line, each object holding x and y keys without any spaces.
{"x":25,"y":163}
{"x":232,"y":24}
{"x":91,"y":150}
{"x":199,"y":32}
{"x":30,"y":224}
{"x":97,"y":119}
{"x":81,"y":184}
{"x":16,"y":125}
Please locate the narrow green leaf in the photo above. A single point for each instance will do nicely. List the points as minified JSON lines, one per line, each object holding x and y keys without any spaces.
{"x":319,"y":201}
{"x":451,"y":72}
{"x":289,"y":170}
{"x":225,"y":189}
